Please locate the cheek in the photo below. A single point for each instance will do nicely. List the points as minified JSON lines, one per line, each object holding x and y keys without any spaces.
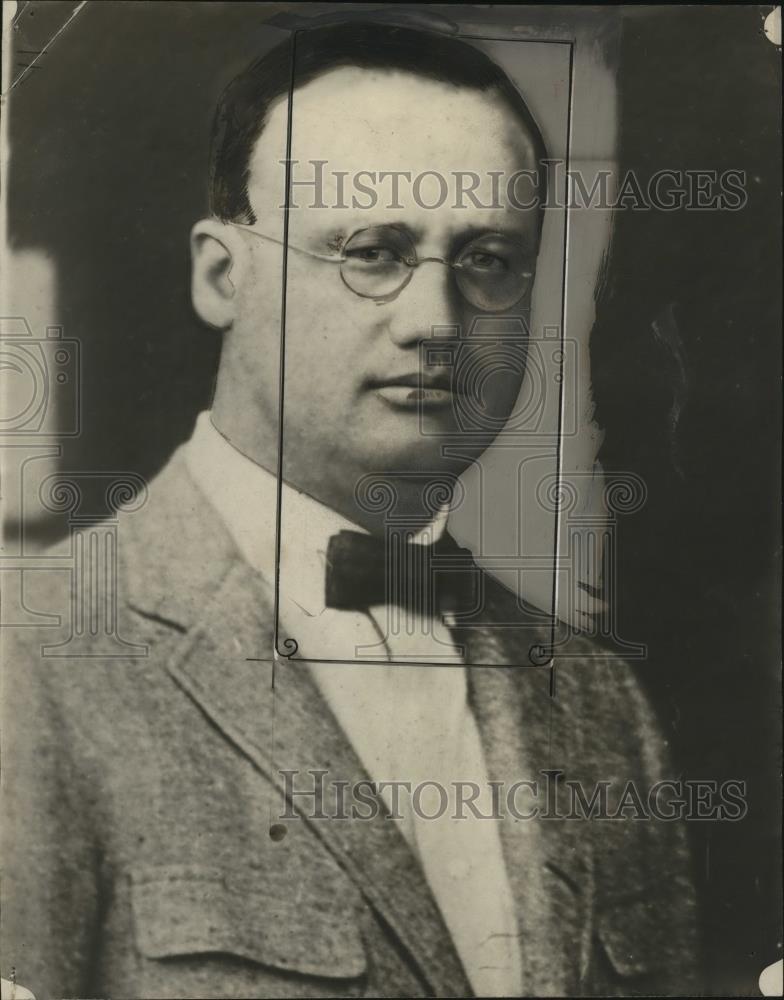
{"x":326,"y":330}
{"x":313,"y":300}
{"x":501,"y":392}
{"x":259,"y":299}
{"x":491,"y":374}
{"x":324,"y":362}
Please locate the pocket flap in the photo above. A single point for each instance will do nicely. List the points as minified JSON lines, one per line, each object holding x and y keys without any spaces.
{"x":187,"y":909}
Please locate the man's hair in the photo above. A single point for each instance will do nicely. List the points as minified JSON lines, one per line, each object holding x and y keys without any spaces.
{"x":244,"y":106}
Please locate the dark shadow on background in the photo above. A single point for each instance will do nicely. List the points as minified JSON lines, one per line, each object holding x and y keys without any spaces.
{"x":700,"y":88}
{"x":110,"y":136}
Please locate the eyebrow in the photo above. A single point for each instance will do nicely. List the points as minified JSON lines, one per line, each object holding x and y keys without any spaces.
{"x":474,"y":232}
{"x":336,"y":239}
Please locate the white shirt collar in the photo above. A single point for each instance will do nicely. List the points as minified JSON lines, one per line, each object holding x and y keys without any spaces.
{"x":245,"y":495}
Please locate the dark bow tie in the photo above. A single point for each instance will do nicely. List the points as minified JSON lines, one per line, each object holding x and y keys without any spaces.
{"x":364,"y":570}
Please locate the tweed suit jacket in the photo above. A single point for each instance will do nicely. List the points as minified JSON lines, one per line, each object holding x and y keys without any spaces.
{"x":140,"y":793}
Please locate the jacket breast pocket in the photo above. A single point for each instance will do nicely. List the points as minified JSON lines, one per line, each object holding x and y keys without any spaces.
{"x":213,"y":931}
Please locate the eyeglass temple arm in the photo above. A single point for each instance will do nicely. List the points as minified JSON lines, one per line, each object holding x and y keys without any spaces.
{"x":330,"y":258}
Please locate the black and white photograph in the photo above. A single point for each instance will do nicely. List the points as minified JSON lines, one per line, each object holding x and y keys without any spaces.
{"x":390,"y":435}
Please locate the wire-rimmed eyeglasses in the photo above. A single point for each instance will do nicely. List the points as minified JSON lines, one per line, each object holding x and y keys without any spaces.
{"x":491,"y":271}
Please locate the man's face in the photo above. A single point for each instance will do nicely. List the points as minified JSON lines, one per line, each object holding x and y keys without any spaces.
{"x":360,"y":392}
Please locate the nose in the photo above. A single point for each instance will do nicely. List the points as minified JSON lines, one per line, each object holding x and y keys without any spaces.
{"x":430,"y":299}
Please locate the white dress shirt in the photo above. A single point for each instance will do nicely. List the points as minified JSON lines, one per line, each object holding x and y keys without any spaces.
{"x":407,"y":719}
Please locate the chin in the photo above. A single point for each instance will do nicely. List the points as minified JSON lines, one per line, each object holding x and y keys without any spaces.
{"x":421,"y":454}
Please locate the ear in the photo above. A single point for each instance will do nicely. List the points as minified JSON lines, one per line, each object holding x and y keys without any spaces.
{"x":212,"y":290}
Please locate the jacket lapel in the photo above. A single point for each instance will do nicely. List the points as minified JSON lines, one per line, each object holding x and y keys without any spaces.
{"x":186,"y":572}
{"x":525,"y":731}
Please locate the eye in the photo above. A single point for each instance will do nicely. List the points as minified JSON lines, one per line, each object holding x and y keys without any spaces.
{"x":482,"y":260}
{"x":374,"y":255}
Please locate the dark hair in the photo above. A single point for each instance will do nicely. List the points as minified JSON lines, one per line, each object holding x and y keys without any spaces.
{"x":242,"y":111}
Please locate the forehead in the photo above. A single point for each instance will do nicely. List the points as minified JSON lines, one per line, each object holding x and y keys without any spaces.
{"x":361,"y":122}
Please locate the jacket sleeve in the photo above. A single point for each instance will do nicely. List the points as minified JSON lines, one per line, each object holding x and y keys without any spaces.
{"x":49,"y":883}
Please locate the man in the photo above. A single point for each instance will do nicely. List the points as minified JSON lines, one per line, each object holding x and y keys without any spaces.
{"x":177,"y":822}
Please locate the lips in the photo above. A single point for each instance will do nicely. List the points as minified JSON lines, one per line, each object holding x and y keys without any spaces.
{"x":418,"y":380}
{"x":416,"y":390}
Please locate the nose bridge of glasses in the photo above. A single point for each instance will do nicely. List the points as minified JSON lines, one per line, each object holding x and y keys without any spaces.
{"x":417,"y":261}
